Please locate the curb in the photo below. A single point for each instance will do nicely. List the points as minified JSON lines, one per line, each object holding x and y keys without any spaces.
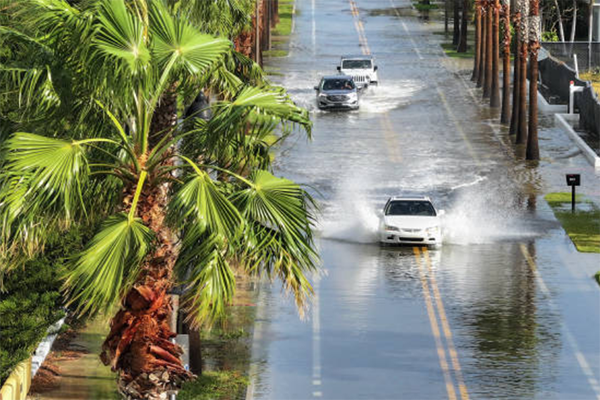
{"x":590,"y":154}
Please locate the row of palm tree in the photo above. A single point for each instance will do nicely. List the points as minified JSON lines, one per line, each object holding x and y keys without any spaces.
{"x":93,"y":99}
{"x":523,"y":117}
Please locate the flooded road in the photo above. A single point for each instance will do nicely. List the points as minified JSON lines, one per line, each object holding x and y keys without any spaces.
{"x":506,"y":309}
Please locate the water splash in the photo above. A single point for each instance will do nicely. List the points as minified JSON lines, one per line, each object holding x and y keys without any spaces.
{"x":486,"y":213}
{"x":350,"y":216}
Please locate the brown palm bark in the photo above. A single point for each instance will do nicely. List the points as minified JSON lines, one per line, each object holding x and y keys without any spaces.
{"x":495,"y":85}
{"x":462,"y":43}
{"x":505,"y":114}
{"x":476,"y":47}
{"x":514,"y":120}
{"x":489,"y":48}
{"x":482,"y":44}
{"x":139,"y":344}
{"x":524,"y":29}
{"x":533,"y":150}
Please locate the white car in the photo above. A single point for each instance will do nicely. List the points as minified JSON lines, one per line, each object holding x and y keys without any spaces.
{"x":410,"y":220}
{"x":362,"y":69}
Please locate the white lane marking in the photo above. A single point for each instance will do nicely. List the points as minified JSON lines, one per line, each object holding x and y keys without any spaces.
{"x":316,"y":338}
{"x":581,"y":360}
{"x":415,"y":47}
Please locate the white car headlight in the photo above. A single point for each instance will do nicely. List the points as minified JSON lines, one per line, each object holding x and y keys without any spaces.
{"x":434,"y":230}
{"x":391,"y":228}
{"x":353,"y":95}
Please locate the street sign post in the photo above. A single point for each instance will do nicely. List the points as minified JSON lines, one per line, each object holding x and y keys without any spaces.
{"x":573,"y":180}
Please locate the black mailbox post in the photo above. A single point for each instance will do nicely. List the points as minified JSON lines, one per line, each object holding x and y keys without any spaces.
{"x":573,"y":180}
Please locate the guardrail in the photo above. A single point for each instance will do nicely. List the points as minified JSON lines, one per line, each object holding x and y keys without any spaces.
{"x":18,"y":383}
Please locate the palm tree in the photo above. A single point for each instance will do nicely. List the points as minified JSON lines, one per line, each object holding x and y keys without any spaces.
{"x":515,"y":119}
{"x":505,"y":114}
{"x":495,"y":84}
{"x":533,"y":151}
{"x":523,"y":6}
{"x":175,"y":202}
{"x":477,"y":46}
{"x":489,"y":49}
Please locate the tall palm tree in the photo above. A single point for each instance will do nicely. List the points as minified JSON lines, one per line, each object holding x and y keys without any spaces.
{"x":514,"y":118}
{"x":99,"y":137}
{"x":506,"y":39}
{"x":495,"y":85}
{"x":489,"y":49}
{"x":523,"y":6}
{"x":477,"y":47}
{"x":533,"y":150}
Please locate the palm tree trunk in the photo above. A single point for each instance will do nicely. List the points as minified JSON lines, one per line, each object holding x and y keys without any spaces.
{"x":456,"y":21}
{"x":139,"y":344}
{"x":522,"y":132}
{"x":489,"y":47}
{"x":524,"y":32}
{"x":505,"y":114}
{"x":462,"y":43}
{"x":446,"y":17}
{"x":533,"y":150}
{"x":482,"y":45}
{"x":477,"y":48}
{"x":514,"y":120}
{"x":495,"y":88}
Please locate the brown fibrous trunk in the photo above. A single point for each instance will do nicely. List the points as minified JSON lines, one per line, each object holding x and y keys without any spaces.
{"x":505,"y":115}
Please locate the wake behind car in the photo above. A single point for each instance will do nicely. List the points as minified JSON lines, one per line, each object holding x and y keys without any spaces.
{"x":361,"y":68}
{"x":337,"y":91}
{"x":410,"y":220}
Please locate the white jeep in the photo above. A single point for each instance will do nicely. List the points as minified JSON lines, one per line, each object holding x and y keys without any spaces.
{"x":361,"y":68}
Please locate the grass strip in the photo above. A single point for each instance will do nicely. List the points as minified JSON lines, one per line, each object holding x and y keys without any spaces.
{"x":594,"y":78}
{"x":582,"y":226}
{"x":450,"y":50}
{"x":284,"y":27}
{"x":214,"y":385}
{"x":425,"y":7}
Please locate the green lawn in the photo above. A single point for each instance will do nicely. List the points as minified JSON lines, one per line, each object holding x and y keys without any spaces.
{"x":582,"y":226}
{"x":214,"y":385}
{"x":284,"y":27}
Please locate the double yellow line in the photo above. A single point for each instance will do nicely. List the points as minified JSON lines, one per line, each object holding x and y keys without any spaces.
{"x":362,"y":37}
{"x":386,"y":124}
{"x":435,"y":309}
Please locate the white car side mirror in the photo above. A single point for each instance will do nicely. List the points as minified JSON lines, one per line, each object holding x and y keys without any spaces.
{"x":441,"y":212}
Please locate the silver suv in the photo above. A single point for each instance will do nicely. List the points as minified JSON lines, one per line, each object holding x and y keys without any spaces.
{"x":361,"y":68}
{"x":337,"y":91}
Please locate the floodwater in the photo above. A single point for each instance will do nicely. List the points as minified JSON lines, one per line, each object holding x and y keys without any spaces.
{"x":505,"y":309}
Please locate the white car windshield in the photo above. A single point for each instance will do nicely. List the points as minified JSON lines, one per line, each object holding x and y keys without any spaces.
{"x":410,"y":207}
{"x":338,"y":84}
{"x":356,"y":64}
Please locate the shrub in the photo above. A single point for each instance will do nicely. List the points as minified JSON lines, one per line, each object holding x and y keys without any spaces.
{"x":31,"y":301}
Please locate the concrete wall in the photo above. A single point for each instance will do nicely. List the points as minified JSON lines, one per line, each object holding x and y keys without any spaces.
{"x":18,"y":383}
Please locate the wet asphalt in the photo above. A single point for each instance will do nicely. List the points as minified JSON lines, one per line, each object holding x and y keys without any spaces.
{"x":505,"y":309}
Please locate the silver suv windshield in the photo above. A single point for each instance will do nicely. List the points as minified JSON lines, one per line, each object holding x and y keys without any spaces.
{"x":410,"y":207}
{"x":356,"y":64}
{"x":338,"y":84}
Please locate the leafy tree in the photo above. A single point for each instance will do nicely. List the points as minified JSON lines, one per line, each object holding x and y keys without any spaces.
{"x":96,"y":134}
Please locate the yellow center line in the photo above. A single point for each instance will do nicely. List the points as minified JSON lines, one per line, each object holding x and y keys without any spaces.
{"x":392,"y":149}
{"x":446,"y":328}
{"x":435,"y":328}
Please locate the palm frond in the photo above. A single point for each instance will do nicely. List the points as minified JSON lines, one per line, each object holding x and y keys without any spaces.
{"x":120,"y":37}
{"x":109,"y":264}
{"x":178,"y":43}
{"x":200,"y":203}
{"x":209,"y":280}
{"x":54,"y":170}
